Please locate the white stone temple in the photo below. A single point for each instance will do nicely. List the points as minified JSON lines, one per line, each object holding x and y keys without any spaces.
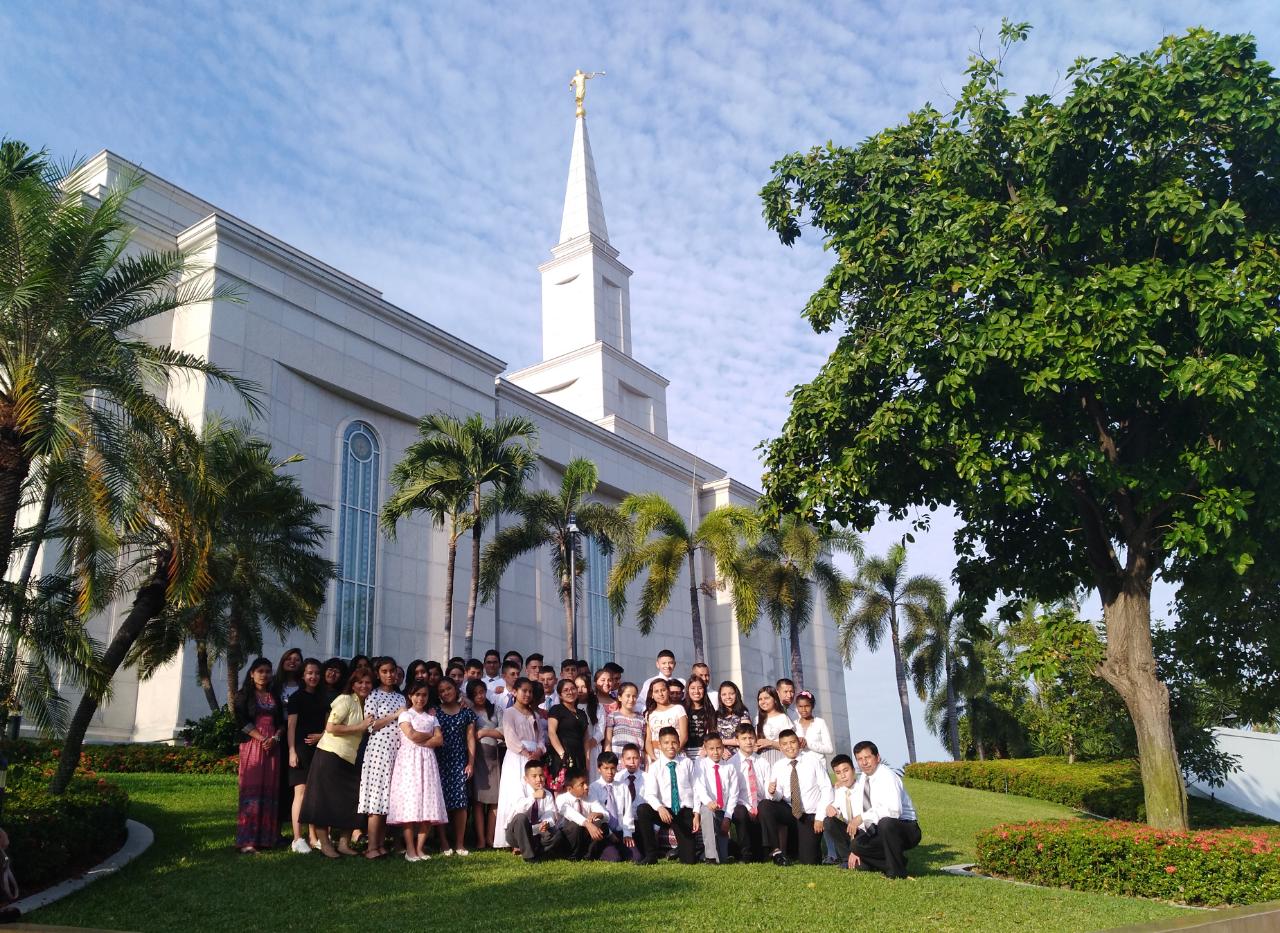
{"x":346,"y":376}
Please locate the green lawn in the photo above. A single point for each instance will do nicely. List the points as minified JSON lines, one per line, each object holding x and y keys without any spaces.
{"x":192,"y":879}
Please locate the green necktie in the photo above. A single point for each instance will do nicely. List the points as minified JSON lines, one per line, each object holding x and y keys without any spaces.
{"x":675,"y":788}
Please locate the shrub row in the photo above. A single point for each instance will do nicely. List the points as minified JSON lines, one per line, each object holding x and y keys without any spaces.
{"x":1208,"y":867}
{"x":52,"y":838}
{"x":1107,"y":788}
{"x":124,"y":759}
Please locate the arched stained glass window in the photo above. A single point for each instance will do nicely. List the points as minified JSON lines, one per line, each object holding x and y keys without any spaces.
{"x":357,"y":538}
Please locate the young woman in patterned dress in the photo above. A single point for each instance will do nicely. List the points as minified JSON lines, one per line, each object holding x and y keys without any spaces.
{"x":385,"y":704}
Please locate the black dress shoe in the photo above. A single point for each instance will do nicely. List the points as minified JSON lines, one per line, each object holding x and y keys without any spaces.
{"x":648,"y":860}
{"x":709,"y":861}
{"x":780,"y":859}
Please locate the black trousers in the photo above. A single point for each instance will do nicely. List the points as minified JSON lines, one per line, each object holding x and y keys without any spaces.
{"x":682,"y":824}
{"x":837,"y":831}
{"x":782,"y":826}
{"x":754,"y":839}
{"x":886,"y":850}
{"x":533,"y":845}
{"x":580,"y":845}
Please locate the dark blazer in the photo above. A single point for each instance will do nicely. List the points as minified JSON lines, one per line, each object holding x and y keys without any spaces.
{"x":246,"y":709}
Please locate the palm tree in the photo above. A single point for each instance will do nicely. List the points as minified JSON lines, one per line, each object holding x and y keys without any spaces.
{"x":461,"y":472}
{"x":556,"y":521}
{"x":660,"y":543}
{"x":788,"y":561}
{"x":943,"y":652}
{"x":70,"y":293}
{"x":884,"y":592}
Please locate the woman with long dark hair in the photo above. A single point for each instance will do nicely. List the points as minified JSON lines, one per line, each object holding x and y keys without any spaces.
{"x":566,"y":734}
{"x":288,"y":677}
{"x":524,"y":744}
{"x":385,"y":703}
{"x":731,"y":713}
{"x":771,"y":721}
{"x":660,"y":712}
{"x":485,"y":777}
{"x":456,"y":758}
{"x":333,"y":782}
{"x":336,"y":675}
{"x":307,"y":711}
{"x":260,"y":716}
{"x":701,"y":715}
{"x":595,"y":723}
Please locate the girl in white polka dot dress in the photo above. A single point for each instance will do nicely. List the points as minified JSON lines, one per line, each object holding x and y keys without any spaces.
{"x":417,"y":800}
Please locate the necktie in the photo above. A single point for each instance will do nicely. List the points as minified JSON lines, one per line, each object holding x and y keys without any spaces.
{"x":631,"y":783}
{"x":848,"y":804}
{"x":675,"y":787}
{"x":866,"y":794}
{"x":797,"y":805}
{"x":533,"y":812}
{"x":580,"y":810}
{"x":753,"y":787}
{"x":719,"y":789}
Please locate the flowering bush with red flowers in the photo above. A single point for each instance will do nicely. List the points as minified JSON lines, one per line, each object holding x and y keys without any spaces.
{"x":130,"y":758}
{"x":1107,"y":788}
{"x":1207,"y":867}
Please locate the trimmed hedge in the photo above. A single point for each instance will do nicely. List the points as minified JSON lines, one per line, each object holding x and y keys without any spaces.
{"x":52,"y":838}
{"x":125,"y":758}
{"x":1107,"y":788}
{"x":1208,"y":867}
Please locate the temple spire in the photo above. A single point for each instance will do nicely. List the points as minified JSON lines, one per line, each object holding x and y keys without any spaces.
{"x":583,"y":209}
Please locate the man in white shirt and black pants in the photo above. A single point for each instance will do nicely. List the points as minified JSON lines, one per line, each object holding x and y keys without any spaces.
{"x":885,"y":826}
{"x":802,"y":792}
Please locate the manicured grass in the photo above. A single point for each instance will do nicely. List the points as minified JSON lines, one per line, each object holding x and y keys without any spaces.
{"x":192,"y":879}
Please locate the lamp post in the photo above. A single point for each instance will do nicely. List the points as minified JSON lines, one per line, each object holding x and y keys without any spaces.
{"x":573,"y":582}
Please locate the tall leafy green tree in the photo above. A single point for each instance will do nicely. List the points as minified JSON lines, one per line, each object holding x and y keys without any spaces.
{"x":1060,"y":318}
{"x":886,"y":598}
{"x":545,"y":521}
{"x":942,"y":648}
{"x":660,"y":544}
{"x":461,"y":472}
{"x":793,"y":559}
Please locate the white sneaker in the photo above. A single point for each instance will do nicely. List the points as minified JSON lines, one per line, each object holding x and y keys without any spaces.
{"x":411,"y":858}
{"x":424,"y":857}
{"x":301,"y":846}
{"x":462,"y":852}
{"x":447,"y":852}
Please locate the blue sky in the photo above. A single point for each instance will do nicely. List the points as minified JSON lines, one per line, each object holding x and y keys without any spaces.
{"x":423,"y":148}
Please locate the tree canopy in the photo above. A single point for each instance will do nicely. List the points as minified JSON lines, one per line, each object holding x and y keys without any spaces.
{"x":1060,"y":318}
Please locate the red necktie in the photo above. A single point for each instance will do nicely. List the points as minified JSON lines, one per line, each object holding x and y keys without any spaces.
{"x":719,"y":790}
{"x":753,"y":787}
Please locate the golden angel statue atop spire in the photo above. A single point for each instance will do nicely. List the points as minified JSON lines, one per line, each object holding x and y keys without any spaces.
{"x":578,"y":83}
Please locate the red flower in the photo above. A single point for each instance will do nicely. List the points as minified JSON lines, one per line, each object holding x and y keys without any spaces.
{"x":1171,"y":868}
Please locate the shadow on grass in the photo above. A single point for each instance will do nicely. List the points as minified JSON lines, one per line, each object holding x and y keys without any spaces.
{"x":934,"y":856}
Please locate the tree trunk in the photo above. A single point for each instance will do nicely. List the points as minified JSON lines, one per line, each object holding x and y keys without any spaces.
{"x":205,"y":675}
{"x":570,"y":628}
{"x":473,"y":597}
{"x":18,"y":615}
{"x":797,"y":663}
{"x":233,"y":659}
{"x":1130,"y":667}
{"x":450,"y":575}
{"x":695,"y":613}
{"x":953,"y":715}
{"x":14,"y":467}
{"x":148,"y":604}
{"x":901,"y":673}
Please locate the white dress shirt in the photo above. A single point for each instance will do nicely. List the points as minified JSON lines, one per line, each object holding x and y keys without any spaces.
{"x":606,"y":796}
{"x":548,"y":812}
{"x":760,"y":765}
{"x":657,"y":782}
{"x":491,"y":684}
{"x":815,"y":785}
{"x":888,"y":797}
{"x":577,"y":811}
{"x":704,"y":780}
{"x":627,"y":806}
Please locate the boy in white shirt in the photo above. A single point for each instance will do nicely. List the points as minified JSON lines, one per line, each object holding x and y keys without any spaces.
{"x":716,"y":793}
{"x":605,"y":793}
{"x":666,"y":664}
{"x":885,"y":826}
{"x":534,"y":828}
{"x":584,"y":822}
{"x":844,"y":806}
{"x":802,"y":792}
{"x":629,"y":788}
{"x":669,"y":798}
{"x":754,"y":838}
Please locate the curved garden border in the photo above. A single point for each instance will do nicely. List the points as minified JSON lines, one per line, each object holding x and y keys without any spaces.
{"x":136,"y":842}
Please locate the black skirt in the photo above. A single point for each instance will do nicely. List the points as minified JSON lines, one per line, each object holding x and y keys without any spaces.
{"x":298,"y":775}
{"x":333,"y":791}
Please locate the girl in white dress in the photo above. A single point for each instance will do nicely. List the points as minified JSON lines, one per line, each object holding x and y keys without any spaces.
{"x":660,"y":712}
{"x":385,"y":704}
{"x":416,"y":798}
{"x":770,"y":723}
{"x":524,"y":742}
{"x":813,"y":732}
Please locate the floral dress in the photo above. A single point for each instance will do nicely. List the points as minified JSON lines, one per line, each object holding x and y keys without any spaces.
{"x":259,"y":780}
{"x":379,"y":753}
{"x":415,"y":782}
{"x":452,"y":756}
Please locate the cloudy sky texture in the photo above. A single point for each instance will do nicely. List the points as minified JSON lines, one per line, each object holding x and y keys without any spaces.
{"x":423,"y":148}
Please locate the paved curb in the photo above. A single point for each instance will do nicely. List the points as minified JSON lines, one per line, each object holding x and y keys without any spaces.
{"x":137,"y":842}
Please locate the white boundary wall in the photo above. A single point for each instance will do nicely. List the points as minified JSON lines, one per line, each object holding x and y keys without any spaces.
{"x":1256,"y":786}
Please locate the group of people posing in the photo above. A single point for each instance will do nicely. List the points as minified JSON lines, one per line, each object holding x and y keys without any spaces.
{"x":553,"y":763}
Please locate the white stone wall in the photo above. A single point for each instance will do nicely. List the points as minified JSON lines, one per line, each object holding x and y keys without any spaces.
{"x":1256,"y":786}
